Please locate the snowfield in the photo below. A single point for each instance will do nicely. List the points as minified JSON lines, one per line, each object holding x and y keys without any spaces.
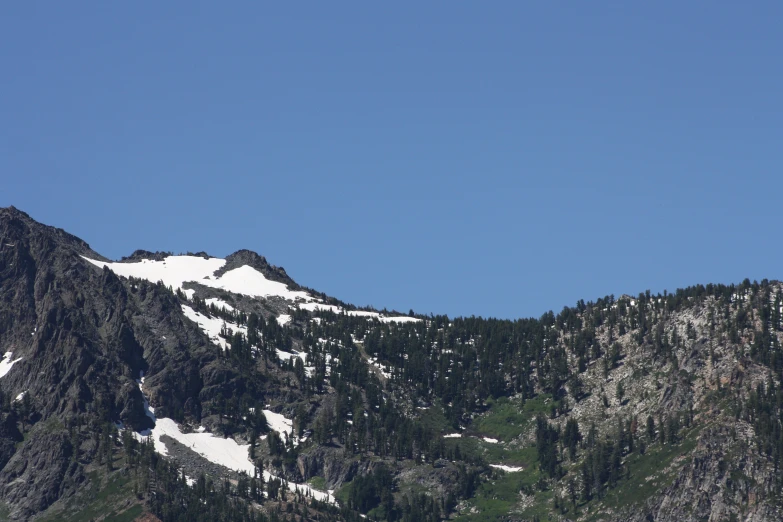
{"x":225,"y":452}
{"x":174,"y":271}
{"x":7,"y":363}
{"x":249,"y":281}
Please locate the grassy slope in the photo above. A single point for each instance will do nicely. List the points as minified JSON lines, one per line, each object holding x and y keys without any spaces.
{"x":506,"y":420}
{"x":503,"y":493}
{"x":109,"y":497}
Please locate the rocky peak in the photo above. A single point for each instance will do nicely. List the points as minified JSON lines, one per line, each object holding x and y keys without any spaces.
{"x":141,"y":255}
{"x":249,"y":258}
{"x":13,"y":211}
{"x":16,"y":225}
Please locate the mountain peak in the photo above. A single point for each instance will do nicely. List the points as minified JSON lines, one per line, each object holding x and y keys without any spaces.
{"x":13,"y":211}
{"x":17,"y":225}
{"x":252,"y":259}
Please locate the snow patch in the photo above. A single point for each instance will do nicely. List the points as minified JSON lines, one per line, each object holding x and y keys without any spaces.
{"x":212,"y":326}
{"x":225,"y":452}
{"x":386,"y":372}
{"x":279,"y":423}
{"x":7,"y":363}
{"x":314,"y":307}
{"x":510,"y":469}
{"x":219,"y":304}
{"x":285,"y":356}
{"x":399,"y":319}
{"x":249,"y":281}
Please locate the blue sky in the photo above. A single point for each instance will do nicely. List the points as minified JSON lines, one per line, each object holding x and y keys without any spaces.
{"x":497,"y":159}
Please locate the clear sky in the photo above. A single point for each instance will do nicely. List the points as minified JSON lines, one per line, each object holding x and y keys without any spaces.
{"x":489,"y":158}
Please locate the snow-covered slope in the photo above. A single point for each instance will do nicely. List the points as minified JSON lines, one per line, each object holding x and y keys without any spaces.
{"x":315,"y":306}
{"x":219,"y":304}
{"x":284,"y":427}
{"x":174,"y":271}
{"x":212,"y":325}
{"x":219,"y":450}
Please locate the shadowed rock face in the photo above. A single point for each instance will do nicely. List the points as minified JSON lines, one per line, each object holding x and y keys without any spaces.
{"x":39,"y":473}
{"x":83,"y":335}
{"x":140,"y":255}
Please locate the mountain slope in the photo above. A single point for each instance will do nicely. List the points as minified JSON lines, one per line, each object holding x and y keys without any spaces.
{"x":274,"y":400}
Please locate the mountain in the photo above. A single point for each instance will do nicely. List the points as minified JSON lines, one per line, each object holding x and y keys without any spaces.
{"x":189,"y":387}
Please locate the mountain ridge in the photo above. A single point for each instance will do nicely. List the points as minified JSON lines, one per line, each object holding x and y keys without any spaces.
{"x":650,"y":407}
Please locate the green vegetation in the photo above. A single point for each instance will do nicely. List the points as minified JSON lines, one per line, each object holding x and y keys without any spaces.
{"x":434,"y":419}
{"x":638,"y":486}
{"x":103,"y":496}
{"x":343,"y":494}
{"x":126,"y":516}
{"x":500,"y":495}
{"x":318,"y":483}
{"x":508,"y":418}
